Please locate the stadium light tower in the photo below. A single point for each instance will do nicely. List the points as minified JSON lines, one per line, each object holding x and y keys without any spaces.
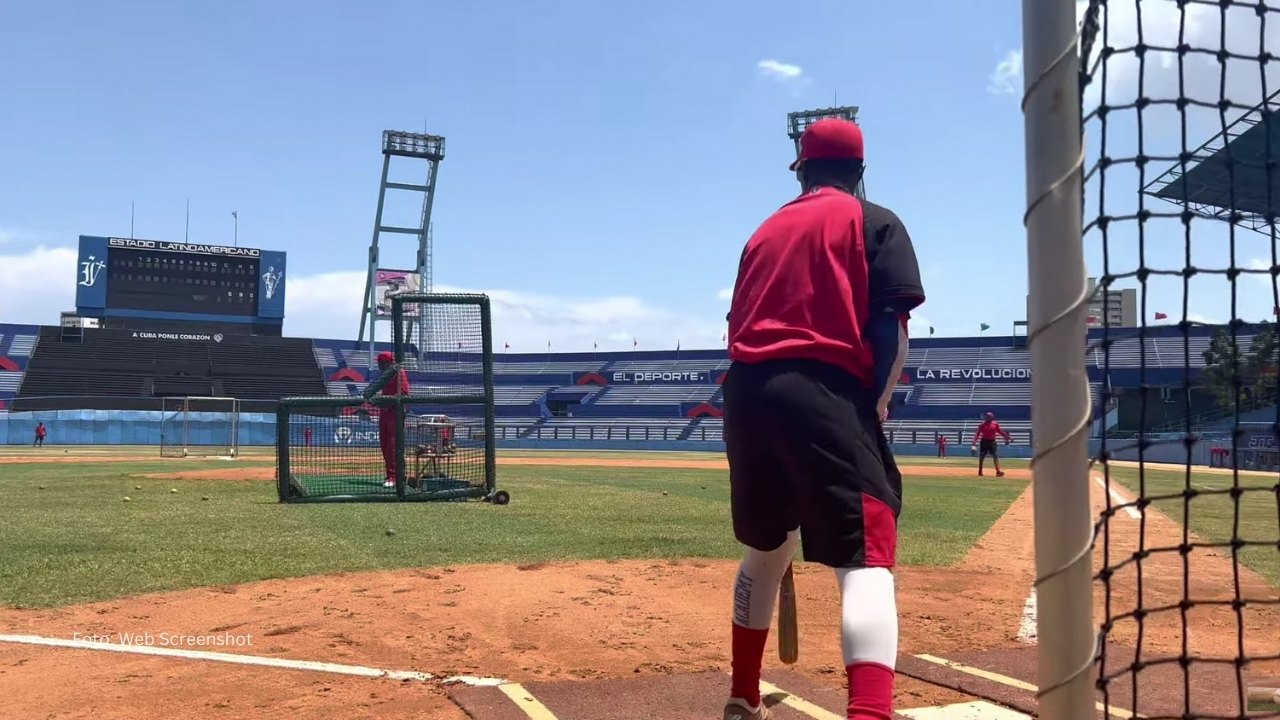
{"x":418,"y":147}
{"x":801,"y":119}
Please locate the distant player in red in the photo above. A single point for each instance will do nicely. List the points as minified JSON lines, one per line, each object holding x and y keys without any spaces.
{"x":306,"y":436}
{"x":942,"y":445}
{"x":987,"y":433}
{"x":40,"y":433}
{"x":399,"y":385}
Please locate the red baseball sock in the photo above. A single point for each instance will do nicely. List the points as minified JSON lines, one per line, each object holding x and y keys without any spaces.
{"x":870,"y":691}
{"x":748,"y":656}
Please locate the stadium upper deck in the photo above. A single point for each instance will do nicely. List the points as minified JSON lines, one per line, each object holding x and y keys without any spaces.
{"x":947,"y":383}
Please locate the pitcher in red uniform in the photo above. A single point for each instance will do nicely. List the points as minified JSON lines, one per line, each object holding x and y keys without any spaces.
{"x":398,"y":385}
{"x":987,"y":433}
{"x":942,"y":445}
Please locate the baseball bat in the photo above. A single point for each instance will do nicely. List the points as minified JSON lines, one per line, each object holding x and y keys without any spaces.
{"x":788,"y":630}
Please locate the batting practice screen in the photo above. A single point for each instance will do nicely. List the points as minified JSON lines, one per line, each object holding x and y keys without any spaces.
{"x":422,"y":430}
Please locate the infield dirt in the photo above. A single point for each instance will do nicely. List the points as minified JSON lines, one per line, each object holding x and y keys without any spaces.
{"x":559,"y":620}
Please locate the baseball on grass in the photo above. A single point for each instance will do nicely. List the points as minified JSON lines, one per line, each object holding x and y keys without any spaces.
{"x":390,"y":532}
{"x":204,"y":497}
{"x":664,"y":492}
{"x":41,"y":487}
{"x":137,"y":487}
{"x":173,"y":490}
{"x":126,"y":499}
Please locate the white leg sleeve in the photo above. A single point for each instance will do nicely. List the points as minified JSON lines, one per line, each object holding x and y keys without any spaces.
{"x":759,"y":575}
{"x":869,"y":616}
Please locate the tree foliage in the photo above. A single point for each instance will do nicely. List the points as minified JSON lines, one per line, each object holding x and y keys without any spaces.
{"x":1251,"y":368}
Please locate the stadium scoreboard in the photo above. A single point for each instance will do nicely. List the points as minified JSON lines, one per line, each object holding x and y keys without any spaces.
{"x":178,"y":281}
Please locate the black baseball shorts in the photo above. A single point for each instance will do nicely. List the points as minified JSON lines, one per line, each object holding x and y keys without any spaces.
{"x":987,"y":447}
{"x":806,"y":450}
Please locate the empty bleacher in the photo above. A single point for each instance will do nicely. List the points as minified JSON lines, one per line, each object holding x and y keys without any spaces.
{"x":16,"y":344}
{"x":548,"y":367}
{"x":1160,"y":352}
{"x":112,"y":363}
{"x":656,"y":394}
{"x":669,"y":366}
{"x":602,"y":428}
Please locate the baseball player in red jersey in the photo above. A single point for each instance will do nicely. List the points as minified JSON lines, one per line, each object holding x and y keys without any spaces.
{"x":942,"y":445}
{"x":987,"y":433}
{"x":398,"y":385}
{"x":817,"y":340}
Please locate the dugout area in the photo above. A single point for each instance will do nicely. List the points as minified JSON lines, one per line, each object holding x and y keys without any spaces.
{"x":333,"y":449}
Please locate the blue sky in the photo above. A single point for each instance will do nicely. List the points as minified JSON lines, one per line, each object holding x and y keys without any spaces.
{"x":605,"y":161}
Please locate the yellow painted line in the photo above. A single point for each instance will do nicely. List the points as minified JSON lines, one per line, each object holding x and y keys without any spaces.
{"x":797,"y":703}
{"x":1014,"y":682}
{"x":527,"y":703}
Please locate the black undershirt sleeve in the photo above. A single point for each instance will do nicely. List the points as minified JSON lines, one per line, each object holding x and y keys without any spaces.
{"x":893,"y":270}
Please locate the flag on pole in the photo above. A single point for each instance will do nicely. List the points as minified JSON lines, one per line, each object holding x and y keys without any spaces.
{"x":724,"y":337}
{"x":984,"y":327}
{"x":677,"y":346}
{"x":635,"y":343}
{"x":930,"y":330}
{"x":1161,"y":316}
{"x":595,"y":345}
{"x":506,"y":346}
{"x":548,"y":346}
{"x":459,"y":346}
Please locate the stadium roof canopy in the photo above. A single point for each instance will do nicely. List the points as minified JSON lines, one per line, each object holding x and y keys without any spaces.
{"x":1232,"y":172}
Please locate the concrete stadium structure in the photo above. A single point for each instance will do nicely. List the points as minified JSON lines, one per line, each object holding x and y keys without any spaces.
{"x":630,"y":400}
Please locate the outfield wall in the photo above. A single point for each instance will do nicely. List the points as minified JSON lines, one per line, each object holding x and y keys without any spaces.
{"x":146,"y":427}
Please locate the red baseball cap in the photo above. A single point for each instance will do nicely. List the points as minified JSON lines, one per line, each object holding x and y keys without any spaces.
{"x":832,"y":138}
{"x":385,"y":356}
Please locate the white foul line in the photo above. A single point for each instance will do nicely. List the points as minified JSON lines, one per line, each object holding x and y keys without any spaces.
{"x":1119,"y":499}
{"x":221,"y":657}
{"x":1027,"y":632}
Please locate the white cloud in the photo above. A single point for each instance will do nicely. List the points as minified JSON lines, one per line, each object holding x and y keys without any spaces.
{"x":785,"y":73}
{"x":1006,"y":79}
{"x":725,"y":294}
{"x":328,"y":305}
{"x":37,"y":283}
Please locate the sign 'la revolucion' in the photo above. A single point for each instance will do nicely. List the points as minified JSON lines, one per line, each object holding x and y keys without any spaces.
{"x":927,"y":373}
{"x":163,"y":246}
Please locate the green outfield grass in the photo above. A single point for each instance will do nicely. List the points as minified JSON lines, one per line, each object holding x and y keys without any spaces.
{"x":77,"y":541}
{"x":1213,"y":517}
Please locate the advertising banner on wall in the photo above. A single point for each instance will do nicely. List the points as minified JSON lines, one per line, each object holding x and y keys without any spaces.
{"x":389,"y":283}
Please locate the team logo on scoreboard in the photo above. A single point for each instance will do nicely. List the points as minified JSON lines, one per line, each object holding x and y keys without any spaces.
{"x":217,"y":337}
{"x":342,"y":435}
{"x":90,"y":270}
{"x":271,"y":281}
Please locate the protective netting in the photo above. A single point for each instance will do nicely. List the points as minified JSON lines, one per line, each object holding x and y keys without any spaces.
{"x":448,"y":360}
{"x":199,"y":427}
{"x":335,"y":451}
{"x":1182,"y":191}
{"x":424,"y":430}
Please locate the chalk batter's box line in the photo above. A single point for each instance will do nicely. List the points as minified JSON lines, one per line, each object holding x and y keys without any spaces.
{"x":535,"y":710}
{"x":238,"y":659}
{"x":1112,"y":710}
